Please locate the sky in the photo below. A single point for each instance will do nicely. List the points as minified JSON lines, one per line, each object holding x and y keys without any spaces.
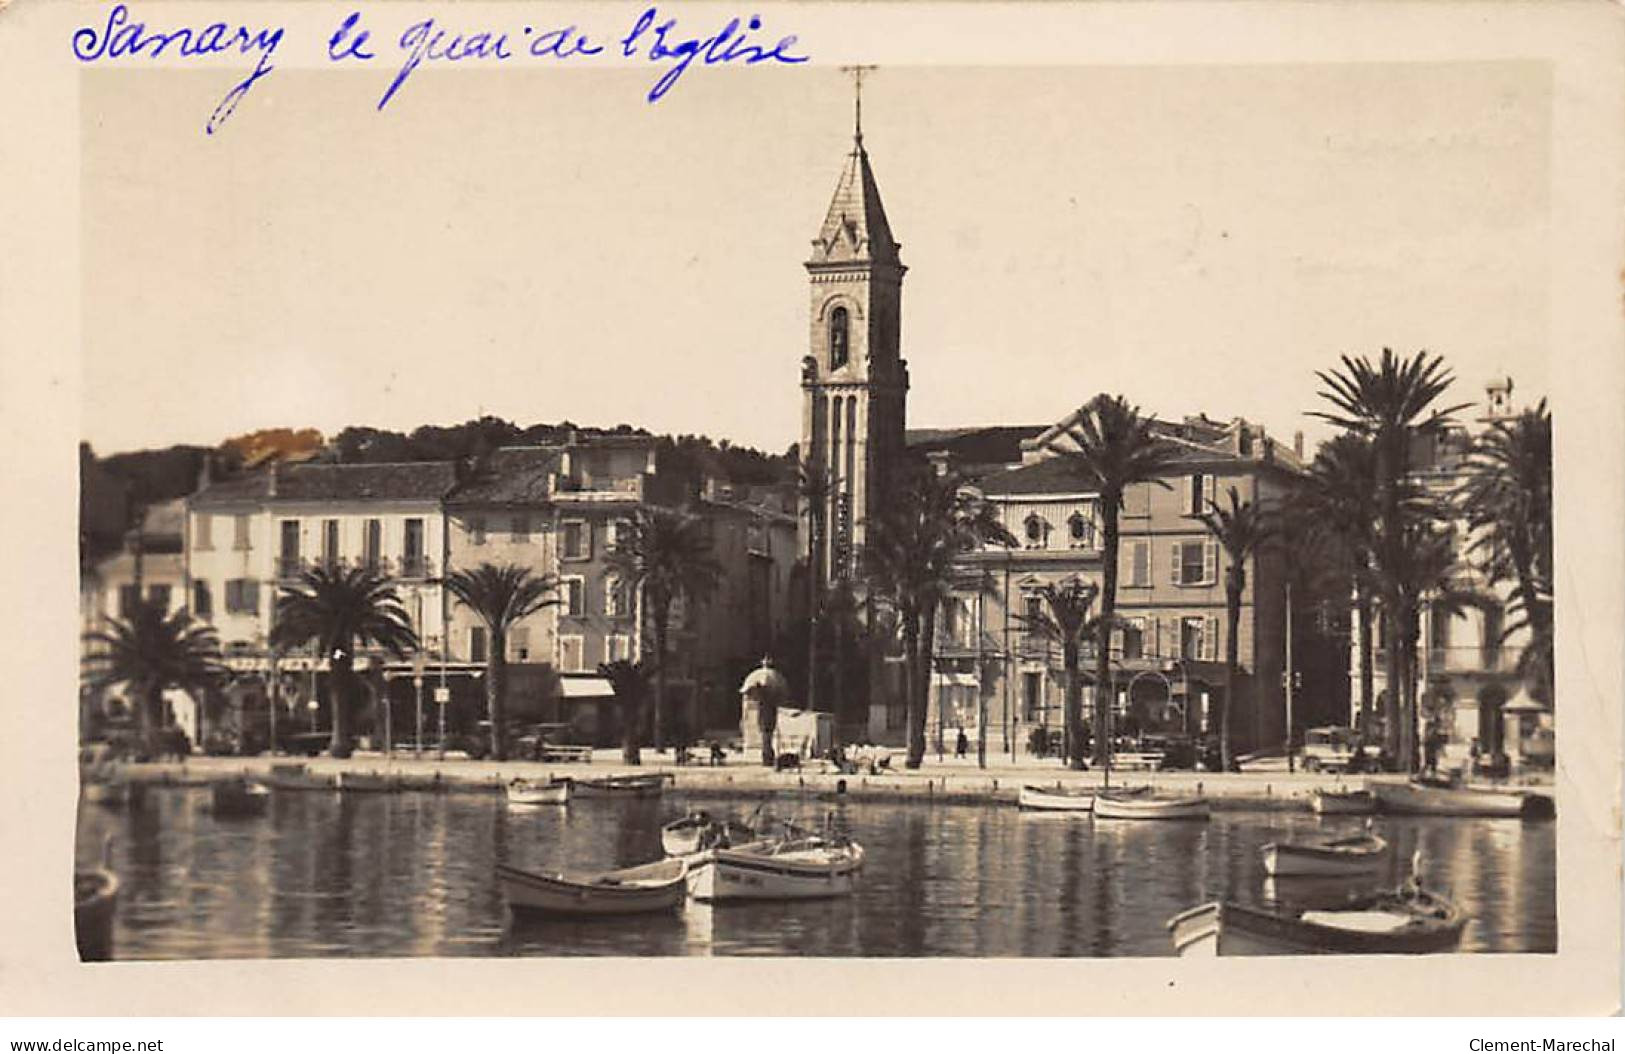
{"x":545,"y":246}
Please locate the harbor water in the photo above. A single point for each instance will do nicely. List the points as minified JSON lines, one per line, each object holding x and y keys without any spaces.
{"x":410,"y":874}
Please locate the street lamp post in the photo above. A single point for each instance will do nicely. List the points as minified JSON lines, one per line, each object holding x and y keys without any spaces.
{"x":417,"y":691}
{"x":1290,"y":764}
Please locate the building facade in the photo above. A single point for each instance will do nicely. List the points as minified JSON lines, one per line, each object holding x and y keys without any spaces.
{"x":1168,"y":662}
{"x":248,"y":537}
{"x":1470,"y":693}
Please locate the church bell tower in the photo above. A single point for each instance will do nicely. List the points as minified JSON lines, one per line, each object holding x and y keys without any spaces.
{"x":854,"y":383}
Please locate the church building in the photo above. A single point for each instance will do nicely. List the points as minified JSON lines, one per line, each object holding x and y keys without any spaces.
{"x":854,"y":382}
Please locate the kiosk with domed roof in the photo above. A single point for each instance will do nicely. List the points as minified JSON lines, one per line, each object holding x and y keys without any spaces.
{"x":764,"y":713}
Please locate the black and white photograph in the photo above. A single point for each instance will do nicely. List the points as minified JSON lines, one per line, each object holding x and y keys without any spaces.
{"x":675,"y":482}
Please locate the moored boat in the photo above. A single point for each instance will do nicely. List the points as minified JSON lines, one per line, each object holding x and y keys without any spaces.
{"x":1428,"y":799}
{"x":648,"y":786}
{"x":699,"y":831}
{"x":795,"y":868}
{"x":1409,"y":920}
{"x":1141,"y":805}
{"x":95,"y":902}
{"x":239,"y":797}
{"x":111,"y":793}
{"x":1041,"y":799}
{"x":1326,"y":801}
{"x":296,"y":776}
{"x":660,"y":886}
{"x":539,"y":792}
{"x":364,"y":781}
{"x":1354,"y":855}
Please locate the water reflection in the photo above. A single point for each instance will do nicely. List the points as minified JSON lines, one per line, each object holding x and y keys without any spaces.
{"x":411,"y":875}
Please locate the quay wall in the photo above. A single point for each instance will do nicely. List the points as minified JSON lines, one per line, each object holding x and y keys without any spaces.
{"x":961,"y":785}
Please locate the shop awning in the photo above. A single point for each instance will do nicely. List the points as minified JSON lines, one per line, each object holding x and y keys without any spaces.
{"x":584,"y":688}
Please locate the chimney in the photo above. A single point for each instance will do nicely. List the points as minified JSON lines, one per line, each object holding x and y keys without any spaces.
{"x":1297,"y":443}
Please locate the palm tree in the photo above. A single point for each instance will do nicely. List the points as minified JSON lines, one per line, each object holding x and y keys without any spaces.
{"x":841,"y":616}
{"x":1241,"y":530}
{"x":501,"y":597}
{"x":1115,"y":448}
{"x":1507,"y":499}
{"x":1418,"y":568}
{"x":909,"y":555}
{"x":1063,"y":617}
{"x":630,"y":683}
{"x":813,"y":486}
{"x":665,"y":555}
{"x":337,"y":609}
{"x":1336,"y":501}
{"x":1390,"y":402}
{"x":152,"y":652}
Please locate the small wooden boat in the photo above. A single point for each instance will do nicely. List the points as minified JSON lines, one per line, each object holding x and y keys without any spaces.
{"x":1409,"y":921}
{"x":649,"y":786}
{"x":1326,"y":801}
{"x":1040,"y":799}
{"x":109,"y":793}
{"x":699,"y":831}
{"x":95,"y":902}
{"x":795,"y":868}
{"x":1434,"y":799}
{"x":371,"y":782}
{"x":239,"y":797}
{"x":295,"y":776}
{"x":539,"y":792}
{"x":1139,"y":804}
{"x":660,"y":886}
{"x":1354,"y":855}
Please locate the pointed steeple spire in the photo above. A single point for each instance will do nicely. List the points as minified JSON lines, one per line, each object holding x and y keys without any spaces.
{"x":855,"y":227}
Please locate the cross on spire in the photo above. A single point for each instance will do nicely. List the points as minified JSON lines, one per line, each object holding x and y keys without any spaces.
{"x":857,"y":99}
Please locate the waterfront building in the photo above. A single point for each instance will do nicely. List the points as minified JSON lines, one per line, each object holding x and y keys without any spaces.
{"x":246,"y":537}
{"x":1168,"y":661}
{"x":149,"y":566}
{"x":556,"y":510}
{"x":1469,"y":690}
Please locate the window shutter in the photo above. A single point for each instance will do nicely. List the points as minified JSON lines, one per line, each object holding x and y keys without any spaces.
{"x":1117,"y":640}
{"x":1174,"y":577}
{"x":1210,"y":562}
{"x":1210,"y":638}
{"x":1209,"y":489}
{"x":251,"y":595}
{"x":1192,"y":485}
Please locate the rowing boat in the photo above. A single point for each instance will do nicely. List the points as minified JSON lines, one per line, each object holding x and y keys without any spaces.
{"x":797,"y":868}
{"x":659,"y":886}
{"x":621,"y":786}
{"x":239,"y":797}
{"x":1354,"y":855}
{"x":699,"y":831}
{"x":1141,"y":805}
{"x":1041,"y":800}
{"x":1340,"y":802}
{"x":539,"y":792}
{"x":1466,"y":800}
{"x":1409,"y":921}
